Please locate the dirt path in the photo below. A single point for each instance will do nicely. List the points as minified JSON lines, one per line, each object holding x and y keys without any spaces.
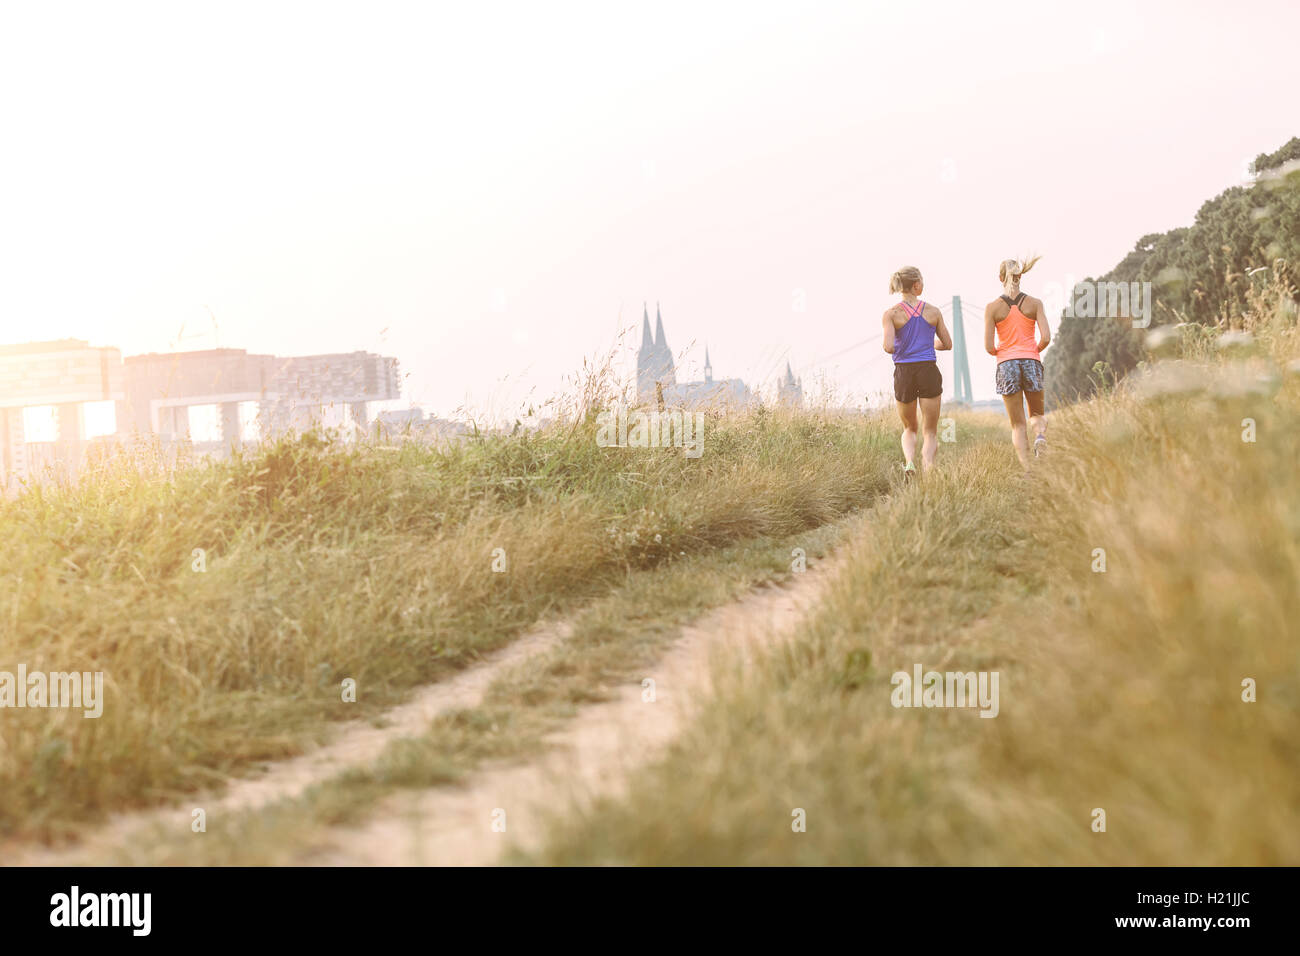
{"x":357,"y":744}
{"x":597,"y":753}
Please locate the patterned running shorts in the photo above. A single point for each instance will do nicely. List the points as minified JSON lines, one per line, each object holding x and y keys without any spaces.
{"x":1019,"y":375}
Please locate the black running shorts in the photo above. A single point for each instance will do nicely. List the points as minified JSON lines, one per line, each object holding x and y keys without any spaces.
{"x":913,"y":380}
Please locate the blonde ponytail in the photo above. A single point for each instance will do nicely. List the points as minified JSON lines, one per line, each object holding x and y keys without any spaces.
{"x":1015,"y":267}
{"x":904,"y":279}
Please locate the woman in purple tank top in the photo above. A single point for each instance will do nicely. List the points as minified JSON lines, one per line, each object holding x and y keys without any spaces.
{"x":910,"y":331}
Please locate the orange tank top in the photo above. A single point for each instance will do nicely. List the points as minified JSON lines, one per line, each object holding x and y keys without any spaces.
{"x":1016,"y":334}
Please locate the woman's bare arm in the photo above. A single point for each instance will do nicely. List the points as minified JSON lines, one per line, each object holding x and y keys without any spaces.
{"x":990,"y":326}
{"x":1044,"y":331}
{"x":941,"y":330}
{"x":888,"y":323}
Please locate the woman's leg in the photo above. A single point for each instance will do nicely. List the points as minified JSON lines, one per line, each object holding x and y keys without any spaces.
{"x":1037,"y":420}
{"x":907,"y":412}
{"x":929,"y":429}
{"x":1016,"y":412}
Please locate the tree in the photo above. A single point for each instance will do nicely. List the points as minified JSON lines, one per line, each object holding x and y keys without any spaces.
{"x":1198,"y":273}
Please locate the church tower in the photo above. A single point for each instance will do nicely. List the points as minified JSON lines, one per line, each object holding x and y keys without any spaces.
{"x":664,"y":355}
{"x":654,"y":360}
{"x":789,"y":391}
{"x":655,"y":368}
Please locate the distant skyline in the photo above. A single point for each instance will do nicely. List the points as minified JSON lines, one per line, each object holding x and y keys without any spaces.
{"x":491,"y":193}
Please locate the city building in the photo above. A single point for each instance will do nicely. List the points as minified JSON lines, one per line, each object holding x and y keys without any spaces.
{"x":656,"y":369}
{"x":160,"y":395}
{"x":789,"y":390}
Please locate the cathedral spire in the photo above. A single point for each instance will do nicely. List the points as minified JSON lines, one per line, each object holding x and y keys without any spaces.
{"x":647,"y":339}
{"x":663,"y":354}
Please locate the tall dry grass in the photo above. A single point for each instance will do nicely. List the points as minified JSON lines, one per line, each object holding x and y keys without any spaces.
{"x":1120,"y":690}
{"x":327,"y":561}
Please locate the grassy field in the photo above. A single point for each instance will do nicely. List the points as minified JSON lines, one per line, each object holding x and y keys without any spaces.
{"x":323,"y":562}
{"x":613,"y":640}
{"x":1121,"y":690}
{"x":1126,"y":593}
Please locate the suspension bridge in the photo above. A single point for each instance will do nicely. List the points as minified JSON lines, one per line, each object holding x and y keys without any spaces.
{"x":961,"y":380}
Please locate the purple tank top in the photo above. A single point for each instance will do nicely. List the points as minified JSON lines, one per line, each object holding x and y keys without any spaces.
{"x":914,"y":342}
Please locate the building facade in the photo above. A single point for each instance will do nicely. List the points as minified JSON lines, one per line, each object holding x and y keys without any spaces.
{"x":789,"y":390}
{"x":153,"y":395}
{"x":656,"y":369}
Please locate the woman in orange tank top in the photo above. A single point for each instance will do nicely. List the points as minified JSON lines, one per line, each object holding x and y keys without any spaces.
{"x":1016,"y":331}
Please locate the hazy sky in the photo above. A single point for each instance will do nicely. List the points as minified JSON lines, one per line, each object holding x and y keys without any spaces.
{"x":489,"y":192}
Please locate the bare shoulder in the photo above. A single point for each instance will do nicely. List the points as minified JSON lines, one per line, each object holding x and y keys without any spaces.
{"x":932,"y":314}
{"x":1034,"y":306}
{"x":892,"y":314}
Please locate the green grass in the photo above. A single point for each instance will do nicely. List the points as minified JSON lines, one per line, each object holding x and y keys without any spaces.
{"x":1120,"y":691}
{"x":326,"y":562}
{"x":612,"y":640}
